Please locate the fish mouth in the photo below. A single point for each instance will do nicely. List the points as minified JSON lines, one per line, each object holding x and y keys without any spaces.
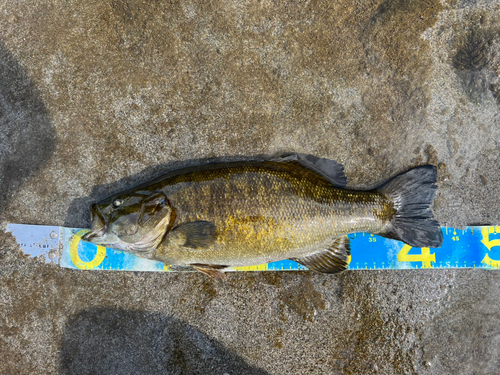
{"x":98,"y":228}
{"x":94,"y":236}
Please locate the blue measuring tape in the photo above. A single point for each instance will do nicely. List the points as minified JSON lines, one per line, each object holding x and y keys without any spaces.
{"x":472,"y":247}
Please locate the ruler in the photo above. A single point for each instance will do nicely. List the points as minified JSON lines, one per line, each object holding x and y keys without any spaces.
{"x":472,"y":247}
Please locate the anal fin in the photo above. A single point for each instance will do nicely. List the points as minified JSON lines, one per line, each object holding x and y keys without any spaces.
{"x":210,"y":270}
{"x":333,"y":259}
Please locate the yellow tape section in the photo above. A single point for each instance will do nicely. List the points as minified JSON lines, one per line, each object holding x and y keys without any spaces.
{"x":73,"y":252}
{"x":490,"y":244}
{"x":425,"y":256}
{"x":260,"y":267}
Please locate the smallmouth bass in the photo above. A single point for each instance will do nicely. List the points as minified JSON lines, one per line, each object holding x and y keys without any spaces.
{"x":247,"y":213}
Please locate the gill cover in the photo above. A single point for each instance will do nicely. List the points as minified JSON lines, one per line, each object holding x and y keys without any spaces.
{"x":134,"y":221}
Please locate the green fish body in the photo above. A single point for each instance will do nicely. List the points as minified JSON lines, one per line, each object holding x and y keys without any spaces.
{"x":249,"y":213}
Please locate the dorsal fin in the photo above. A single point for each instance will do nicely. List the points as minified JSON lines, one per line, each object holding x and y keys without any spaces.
{"x":333,"y":259}
{"x":329,"y":169}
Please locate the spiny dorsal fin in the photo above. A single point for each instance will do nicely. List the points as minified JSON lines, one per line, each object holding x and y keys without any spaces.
{"x":196,"y":235}
{"x":333,"y":259}
{"x":329,"y":169}
{"x":210,"y":270}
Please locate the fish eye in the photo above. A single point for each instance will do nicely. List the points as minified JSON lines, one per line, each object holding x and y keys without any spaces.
{"x":118,"y":202}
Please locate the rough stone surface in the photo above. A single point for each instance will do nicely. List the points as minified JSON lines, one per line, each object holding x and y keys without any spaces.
{"x":96,"y":96}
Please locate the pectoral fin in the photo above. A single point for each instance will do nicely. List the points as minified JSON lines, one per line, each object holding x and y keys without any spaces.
{"x":196,"y":235}
{"x":333,"y":259}
{"x":210,"y":270}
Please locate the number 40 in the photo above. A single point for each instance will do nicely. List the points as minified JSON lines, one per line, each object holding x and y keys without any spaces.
{"x":425,"y":256}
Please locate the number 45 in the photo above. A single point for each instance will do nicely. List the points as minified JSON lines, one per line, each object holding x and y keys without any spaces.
{"x":425,"y":256}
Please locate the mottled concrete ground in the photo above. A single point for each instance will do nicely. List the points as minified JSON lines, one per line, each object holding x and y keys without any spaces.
{"x":98,"y":95}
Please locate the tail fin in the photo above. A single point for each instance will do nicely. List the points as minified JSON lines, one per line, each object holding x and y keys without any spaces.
{"x":412,"y":194}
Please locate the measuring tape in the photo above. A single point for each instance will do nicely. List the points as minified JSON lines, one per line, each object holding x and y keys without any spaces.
{"x":472,"y":247}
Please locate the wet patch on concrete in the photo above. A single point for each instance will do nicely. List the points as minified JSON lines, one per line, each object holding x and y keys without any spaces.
{"x":302,"y":299}
{"x":474,"y":63}
{"x":372,"y":335}
{"x":467,"y":322}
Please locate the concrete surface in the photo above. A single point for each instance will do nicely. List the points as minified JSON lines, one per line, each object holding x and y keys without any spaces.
{"x":96,"y":96}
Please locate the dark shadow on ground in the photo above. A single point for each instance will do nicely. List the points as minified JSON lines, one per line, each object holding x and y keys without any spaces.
{"x":118,"y":341}
{"x":27,"y":137}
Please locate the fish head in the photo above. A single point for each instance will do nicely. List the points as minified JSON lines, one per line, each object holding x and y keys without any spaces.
{"x":133,"y":221}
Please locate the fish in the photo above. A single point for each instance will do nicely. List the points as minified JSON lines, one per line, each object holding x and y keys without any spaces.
{"x":212,"y":217}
